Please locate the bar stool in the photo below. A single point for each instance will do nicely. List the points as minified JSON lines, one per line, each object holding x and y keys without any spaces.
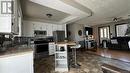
{"x":75,"y":65}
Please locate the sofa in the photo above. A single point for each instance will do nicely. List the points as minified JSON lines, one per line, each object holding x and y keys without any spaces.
{"x":119,"y":43}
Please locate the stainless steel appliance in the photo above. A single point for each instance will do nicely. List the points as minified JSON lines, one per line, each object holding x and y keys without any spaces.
{"x":42,"y":47}
{"x":59,"y":36}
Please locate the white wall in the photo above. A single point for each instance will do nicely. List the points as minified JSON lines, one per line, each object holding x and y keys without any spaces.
{"x":74,"y":28}
{"x":28,"y":27}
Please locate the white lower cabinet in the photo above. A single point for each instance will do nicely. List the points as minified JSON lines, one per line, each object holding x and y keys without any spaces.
{"x":19,"y":63}
{"x":51,"y":48}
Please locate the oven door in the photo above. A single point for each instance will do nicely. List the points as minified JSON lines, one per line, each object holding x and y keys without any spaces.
{"x":42,"y":47}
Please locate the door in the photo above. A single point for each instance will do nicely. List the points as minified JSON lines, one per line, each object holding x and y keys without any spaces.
{"x":104,"y":34}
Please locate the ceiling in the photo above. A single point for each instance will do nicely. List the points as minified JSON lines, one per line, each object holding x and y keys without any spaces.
{"x":89,"y":12}
{"x":36,"y":11}
{"x":105,"y":10}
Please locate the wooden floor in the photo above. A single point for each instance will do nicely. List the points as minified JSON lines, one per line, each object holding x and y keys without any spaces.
{"x":116,"y":54}
{"x":90,"y":63}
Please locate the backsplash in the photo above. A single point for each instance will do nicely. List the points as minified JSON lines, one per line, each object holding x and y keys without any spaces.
{"x":11,"y":42}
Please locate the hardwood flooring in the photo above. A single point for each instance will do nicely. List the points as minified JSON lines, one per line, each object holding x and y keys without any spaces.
{"x":116,"y":54}
{"x":90,"y":63}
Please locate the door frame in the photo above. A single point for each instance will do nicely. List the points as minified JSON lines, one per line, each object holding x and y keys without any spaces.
{"x":99,"y":33}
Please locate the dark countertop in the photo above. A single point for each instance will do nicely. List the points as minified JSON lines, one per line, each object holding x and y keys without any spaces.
{"x":12,"y":51}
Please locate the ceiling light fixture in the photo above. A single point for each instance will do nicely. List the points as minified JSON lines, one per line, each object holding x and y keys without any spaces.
{"x":115,"y":19}
{"x":49,"y":15}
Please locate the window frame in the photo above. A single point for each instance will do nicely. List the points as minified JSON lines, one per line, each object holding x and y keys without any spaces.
{"x":116,"y":28}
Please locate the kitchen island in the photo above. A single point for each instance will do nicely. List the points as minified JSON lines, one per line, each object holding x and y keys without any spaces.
{"x":17,"y":60}
{"x":69,"y":43}
{"x":61,"y":56}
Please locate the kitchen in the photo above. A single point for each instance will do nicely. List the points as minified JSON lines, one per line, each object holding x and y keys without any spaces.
{"x":52,"y":36}
{"x":26,"y":39}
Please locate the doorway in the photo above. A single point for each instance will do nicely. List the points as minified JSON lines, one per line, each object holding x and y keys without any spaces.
{"x":104,"y":34}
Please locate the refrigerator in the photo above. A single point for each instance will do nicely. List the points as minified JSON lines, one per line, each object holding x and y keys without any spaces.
{"x":59,"y":36}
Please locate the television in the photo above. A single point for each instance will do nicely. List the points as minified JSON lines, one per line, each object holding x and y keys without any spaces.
{"x":88,"y":31}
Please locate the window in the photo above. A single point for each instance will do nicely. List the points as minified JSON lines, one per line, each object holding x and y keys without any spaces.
{"x":101,"y":33}
{"x":122,"y":30}
{"x":104,"y":32}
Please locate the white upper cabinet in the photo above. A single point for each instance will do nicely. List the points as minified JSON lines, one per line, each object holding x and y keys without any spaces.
{"x":44,"y":26}
{"x":54,"y":27}
{"x":30,"y":26}
{"x":28,"y":29}
{"x":36,"y":26}
{"x":59,"y":27}
{"x":49,"y":29}
{"x":39,"y":26}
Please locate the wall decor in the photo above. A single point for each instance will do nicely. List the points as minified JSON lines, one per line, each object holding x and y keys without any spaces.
{"x":80,"y":33}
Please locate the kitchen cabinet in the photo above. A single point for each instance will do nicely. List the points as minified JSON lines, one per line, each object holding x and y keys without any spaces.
{"x":44,"y":26}
{"x":28,"y":30}
{"x":30,"y":26}
{"x":54,"y":27}
{"x":17,"y":63}
{"x":51,"y":48}
{"x":38,"y":26}
{"x":59,"y":27}
{"x":49,"y":30}
{"x":9,"y":22}
{"x":35,"y":27}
